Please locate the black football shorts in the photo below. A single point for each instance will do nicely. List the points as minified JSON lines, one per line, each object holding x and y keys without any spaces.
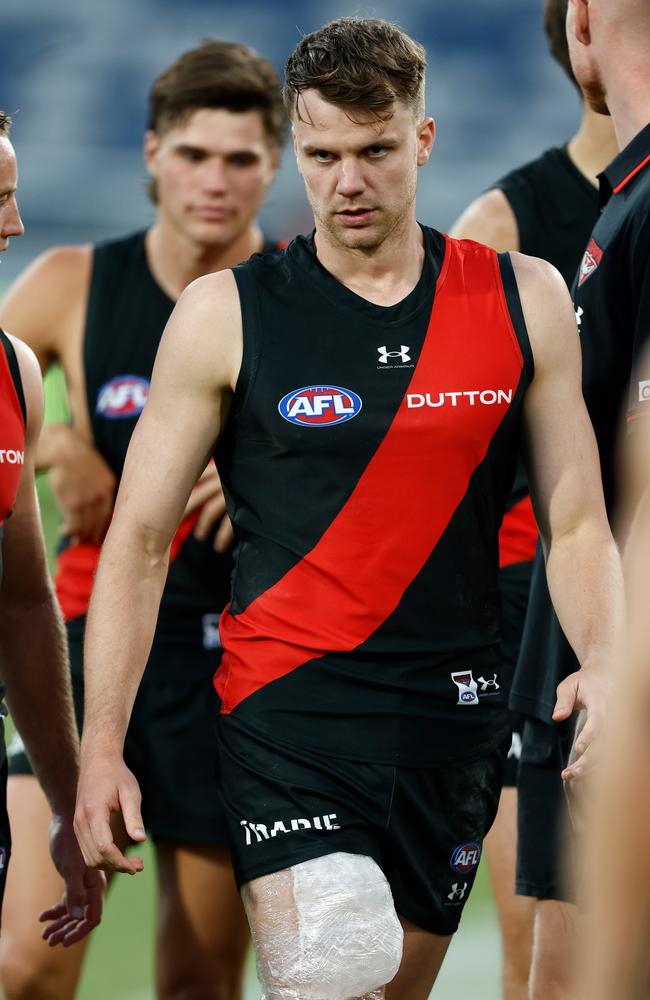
{"x":170,"y":744}
{"x":423,"y":826}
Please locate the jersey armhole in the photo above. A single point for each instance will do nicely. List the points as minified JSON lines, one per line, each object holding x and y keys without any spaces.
{"x":251,"y":335}
{"x":14,"y":369}
{"x":513,"y":302}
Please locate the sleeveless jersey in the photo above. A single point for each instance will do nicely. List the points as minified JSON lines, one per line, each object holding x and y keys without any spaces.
{"x":13,"y":419}
{"x":556,"y":208}
{"x":126,"y":315}
{"x":367,"y":461}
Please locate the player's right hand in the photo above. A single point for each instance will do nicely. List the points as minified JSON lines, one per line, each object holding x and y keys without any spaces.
{"x":107,"y":791}
{"x":82,"y":484}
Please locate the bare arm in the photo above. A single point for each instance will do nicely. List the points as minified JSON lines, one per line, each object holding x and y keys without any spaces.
{"x":489,"y":220}
{"x":582,"y":561}
{"x":196,"y":369}
{"x":617,"y":872}
{"x":46,"y":308}
{"x":34,"y":662}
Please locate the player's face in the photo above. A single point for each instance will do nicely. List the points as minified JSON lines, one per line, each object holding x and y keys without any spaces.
{"x":360,"y":178}
{"x":212,"y":172}
{"x":10,"y":222}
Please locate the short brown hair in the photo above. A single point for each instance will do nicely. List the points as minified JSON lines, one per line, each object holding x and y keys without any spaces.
{"x":555,"y":27}
{"x":5,"y":123}
{"x":218,"y":74}
{"x":358,"y":64}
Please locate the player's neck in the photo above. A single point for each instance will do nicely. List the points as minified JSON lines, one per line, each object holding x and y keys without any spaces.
{"x":384,"y":275}
{"x":594,"y":145}
{"x":176,"y":261}
{"x":630,"y":113}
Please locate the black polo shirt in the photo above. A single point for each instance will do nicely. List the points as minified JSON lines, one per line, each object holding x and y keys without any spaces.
{"x":611,"y":293}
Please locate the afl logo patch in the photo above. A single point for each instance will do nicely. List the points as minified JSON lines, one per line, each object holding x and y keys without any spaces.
{"x":319,"y":405}
{"x":466,"y":858}
{"x":124,"y":396}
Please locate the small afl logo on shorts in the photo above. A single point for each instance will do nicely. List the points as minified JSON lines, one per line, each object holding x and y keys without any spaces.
{"x":124,"y":396}
{"x":3,"y":859}
{"x":320,"y":405}
{"x":466,"y":858}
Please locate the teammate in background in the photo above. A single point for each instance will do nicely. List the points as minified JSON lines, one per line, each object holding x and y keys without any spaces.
{"x":617,"y":874}
{"x":359,"y":730}
{"x":33,"y":655}
{"x":216,"y":124}
{"x":546,"y":208}
{"x":609,"y":42}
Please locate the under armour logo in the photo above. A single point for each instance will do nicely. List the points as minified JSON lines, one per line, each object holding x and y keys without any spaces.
{"x":402,"y":354}
{"x":458,"y":891}
{"x":485,"y":684}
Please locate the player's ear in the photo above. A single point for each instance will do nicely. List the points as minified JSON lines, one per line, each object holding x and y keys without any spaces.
{"x":426,"y":139}
{"x":578,"y":20}
{"x":150,"y":150}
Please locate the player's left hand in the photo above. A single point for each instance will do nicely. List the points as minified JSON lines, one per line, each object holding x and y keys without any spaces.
{"x":584,"y":690}
{"x":207,"y":497}
{"x":80,"y":909}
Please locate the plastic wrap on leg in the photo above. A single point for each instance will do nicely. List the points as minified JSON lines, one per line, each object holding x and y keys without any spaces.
{"x":325,"y":929}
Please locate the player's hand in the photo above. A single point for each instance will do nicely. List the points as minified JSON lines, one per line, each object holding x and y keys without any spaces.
{"x":80,"y":909}
{"x":82,"y":484}
{"x":586,"y":690}
{"x":107,"y":792}
{"x":207,"y":497}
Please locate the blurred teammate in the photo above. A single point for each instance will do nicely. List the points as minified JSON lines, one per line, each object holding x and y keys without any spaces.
{"x":369,"y":386}
{"x":608,"y":43}
{"x":546,"y":208}
{"x":32,"y":639}
{"x":613,"y":954}
{"x":216,"y":125}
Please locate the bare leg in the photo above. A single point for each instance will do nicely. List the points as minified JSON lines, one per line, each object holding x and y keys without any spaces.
{"x":421,"y":962}
{"x":29,"y":968}
{"x":202,"y":935}
{"x":516,"y":913}
{"x":554,"y":948}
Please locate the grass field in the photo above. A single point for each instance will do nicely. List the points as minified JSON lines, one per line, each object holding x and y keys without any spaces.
{"x":120,"y":961}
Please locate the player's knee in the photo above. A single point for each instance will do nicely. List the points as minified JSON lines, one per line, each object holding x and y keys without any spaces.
{"x":324,"y":928}
{"x":27,"y":976}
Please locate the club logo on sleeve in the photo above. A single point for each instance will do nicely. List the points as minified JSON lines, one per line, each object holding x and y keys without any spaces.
{"x":592,"y":258}
{"x":319,"y":405}
{"x":124,"y":396}
{"x":465,"y":858}
{"x":467,"y":687}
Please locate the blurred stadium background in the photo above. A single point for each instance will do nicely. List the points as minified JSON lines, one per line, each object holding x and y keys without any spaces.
{"x":75,"y":75}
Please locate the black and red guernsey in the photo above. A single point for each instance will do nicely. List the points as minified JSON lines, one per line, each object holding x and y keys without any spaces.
{"x":126,"y":314}
{"x":13,"y":418}
{"x":367,"y":462}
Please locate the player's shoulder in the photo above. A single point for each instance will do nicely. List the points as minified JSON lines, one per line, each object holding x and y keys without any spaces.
{"x":30,"y":379}
{"x":62,"y":263}
{"x":537,"y":277}
{"x":489,"y":219}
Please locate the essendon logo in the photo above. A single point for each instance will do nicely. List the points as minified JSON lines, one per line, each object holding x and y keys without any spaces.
{"x":592,"y":258}
{"x":319,"y":405}
{"x":124,"y":396}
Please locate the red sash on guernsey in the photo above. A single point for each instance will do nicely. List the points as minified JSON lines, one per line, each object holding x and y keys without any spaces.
{"x":518,"y":535}
{"x":77,"y":565}
{"x":12,"y":438}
